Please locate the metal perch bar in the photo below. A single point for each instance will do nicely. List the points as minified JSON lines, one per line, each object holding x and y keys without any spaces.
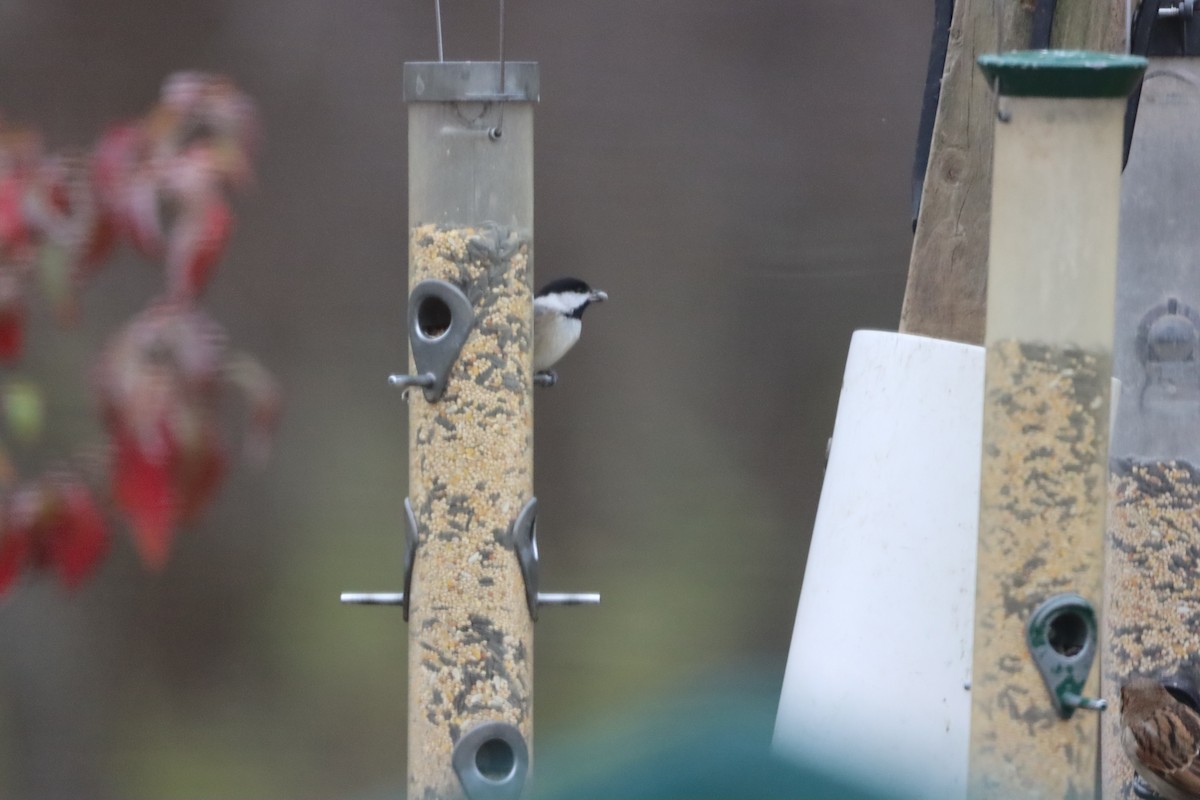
{"x":543,"y":598}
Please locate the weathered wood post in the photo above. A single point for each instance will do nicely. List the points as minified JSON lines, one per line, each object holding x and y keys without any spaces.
{"x":947,"y":274}
{"x":471,"y":444}
{"x":1051,"y":274}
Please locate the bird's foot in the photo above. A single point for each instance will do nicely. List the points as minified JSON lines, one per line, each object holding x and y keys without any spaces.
{"x":545,"y":378}
{"x":1142,"y":789}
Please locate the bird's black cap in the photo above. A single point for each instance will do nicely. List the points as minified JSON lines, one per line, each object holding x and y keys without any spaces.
{"x":564,"y":285}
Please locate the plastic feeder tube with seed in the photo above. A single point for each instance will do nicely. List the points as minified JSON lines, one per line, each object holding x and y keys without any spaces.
{"x":470,"y":452}
{"x":1152,"y":578}
{"x":1051,"y":276}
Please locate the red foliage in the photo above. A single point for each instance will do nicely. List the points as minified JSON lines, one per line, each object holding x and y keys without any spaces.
{"x":161,"y":179}
{"x":14,"y":229}
{"x":12,"y":558}
{"x":160,"y":491}
{"x":202,"y":228}
{"x":161,"y":184}
{"x":12,"y":314}
{"x":20,"y":155}
{"x":12,"y":332}
{"x":125,"y":186}
{"x":158,"y":384}
{"x":216,"y":225}
{"x":52,"y":524}
{"x":100,"y":243}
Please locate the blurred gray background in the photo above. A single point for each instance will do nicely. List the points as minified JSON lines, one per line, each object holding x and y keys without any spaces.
{"x":734,"y":173}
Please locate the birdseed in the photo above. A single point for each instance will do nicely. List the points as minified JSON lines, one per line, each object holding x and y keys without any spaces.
{"x":470,"y":472}
{"x":1152,"y":603}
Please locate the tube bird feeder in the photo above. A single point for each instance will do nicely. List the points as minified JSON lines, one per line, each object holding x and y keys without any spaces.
{"x":1051,"y":276}
{"x":1152,"y":598}
{"x":470,"y":426}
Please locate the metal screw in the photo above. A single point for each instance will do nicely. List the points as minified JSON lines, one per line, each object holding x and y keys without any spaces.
{"x":1078,"y":701}
{"x":1185,"y":9}
{"x":424,"y":380}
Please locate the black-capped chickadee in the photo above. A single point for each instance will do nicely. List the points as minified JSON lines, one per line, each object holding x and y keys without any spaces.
{"x":557,"y":322}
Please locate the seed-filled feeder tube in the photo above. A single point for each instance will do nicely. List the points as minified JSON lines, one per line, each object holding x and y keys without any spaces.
{"x":1152,"y":572}
{"x":1051,"y":273}
{"x":471,"y":449}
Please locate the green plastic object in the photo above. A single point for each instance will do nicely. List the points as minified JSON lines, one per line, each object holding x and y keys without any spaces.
{"x":1062,"y":73}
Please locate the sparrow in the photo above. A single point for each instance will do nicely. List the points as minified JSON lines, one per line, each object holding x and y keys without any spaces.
{"x":557,"y":322}
{"x":1161,"y":736}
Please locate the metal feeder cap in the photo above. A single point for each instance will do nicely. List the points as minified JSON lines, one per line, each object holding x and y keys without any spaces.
{"x":1062,"y":73}
{"x":470,"y":81}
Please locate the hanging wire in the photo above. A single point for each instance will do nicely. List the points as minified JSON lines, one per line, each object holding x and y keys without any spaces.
{"x":437,"y":10}
{"x":1002,"y":114}
{"x":494,"y":132}
{"x":501,"y":46}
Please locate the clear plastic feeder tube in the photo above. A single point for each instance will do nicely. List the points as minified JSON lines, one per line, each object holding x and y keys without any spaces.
{"x":470,"y":146}
{"x":470,"y":450}
{"x":1156,"y":352}
{"x":1051,"y":276}
{"x":1152,"y":578}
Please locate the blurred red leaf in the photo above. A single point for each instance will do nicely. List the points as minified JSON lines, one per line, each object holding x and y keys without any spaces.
{"x":81,"y":539}
{"x":12,"y":332}
{"x":158,"y":384}
{"x":159,"y":492}
{"x":12,"y":555}
{"x":265,"y":400}
{"x":161,"y":179}
{"x":200,"y":468}
{"x":101,"y":240}
{"x":14,"y":228}
{"x":113,"y":159}
{"x":142,"y":489}
{"x":198,"y":241}
{"x":12,"y":314}
{"x":52,"y":524}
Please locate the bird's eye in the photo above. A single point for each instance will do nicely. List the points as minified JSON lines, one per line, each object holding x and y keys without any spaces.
{"x":1184,"y":696}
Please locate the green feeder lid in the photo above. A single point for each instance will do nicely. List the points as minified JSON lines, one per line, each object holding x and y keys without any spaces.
{"x":1062,"y":73}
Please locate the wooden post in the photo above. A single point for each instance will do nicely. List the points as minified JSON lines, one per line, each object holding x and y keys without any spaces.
{"x":947,"y":274}
{"x":1089,"y":25}
{"x":1039,"y":581}
{"x":471,"y":449}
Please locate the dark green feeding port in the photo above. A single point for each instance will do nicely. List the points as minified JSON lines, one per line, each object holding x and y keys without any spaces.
{"x":1062,"y":73}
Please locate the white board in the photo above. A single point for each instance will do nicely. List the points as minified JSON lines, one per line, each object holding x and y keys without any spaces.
{"x":882,"y":644}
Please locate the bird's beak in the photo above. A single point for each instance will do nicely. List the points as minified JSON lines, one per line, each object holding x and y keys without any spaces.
{"x":598,"y":296}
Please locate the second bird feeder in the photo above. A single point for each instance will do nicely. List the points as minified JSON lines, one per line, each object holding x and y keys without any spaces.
{"x":1152,"y":614}
{"x":1051,"y":277}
